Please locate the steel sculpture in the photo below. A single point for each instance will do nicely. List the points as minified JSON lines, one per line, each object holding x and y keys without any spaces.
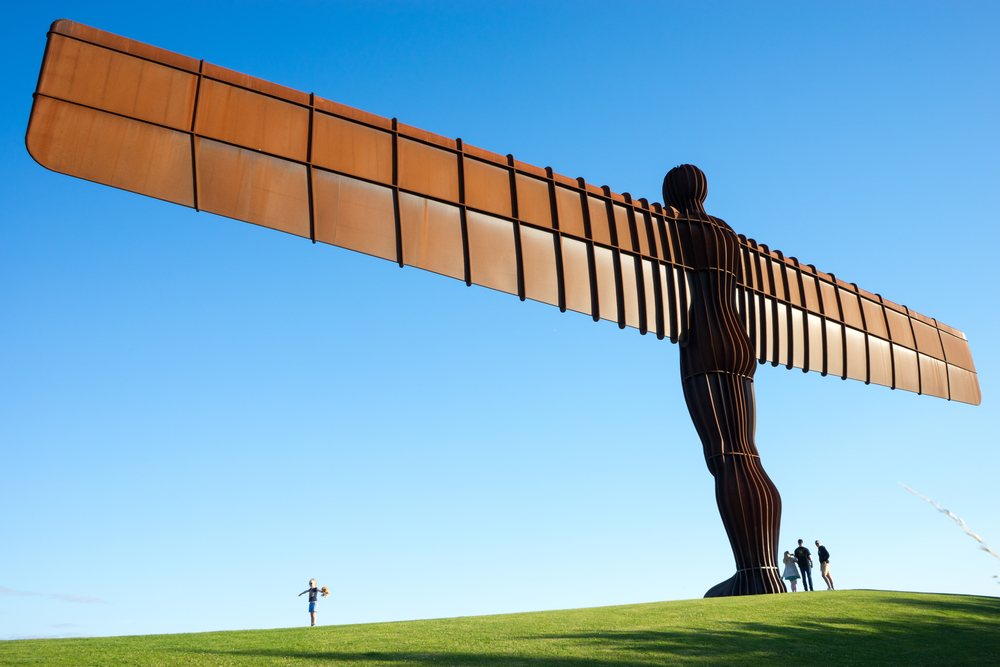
{"x":136,"y":117}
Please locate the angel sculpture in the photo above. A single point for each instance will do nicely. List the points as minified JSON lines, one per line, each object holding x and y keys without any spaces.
{"x":129,"y":115}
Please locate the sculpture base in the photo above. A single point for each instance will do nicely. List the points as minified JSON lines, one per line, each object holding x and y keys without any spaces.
{"x":748,"y":582}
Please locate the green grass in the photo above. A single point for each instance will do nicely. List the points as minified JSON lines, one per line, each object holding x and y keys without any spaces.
{"x":841,"y":628}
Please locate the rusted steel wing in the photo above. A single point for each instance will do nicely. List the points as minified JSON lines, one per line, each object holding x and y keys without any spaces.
{"x":803,"y":318}
{"x":129,"y":115}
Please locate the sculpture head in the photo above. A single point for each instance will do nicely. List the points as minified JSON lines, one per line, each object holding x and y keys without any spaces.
{"x":685,"y":187}
{"x":312,"y":583}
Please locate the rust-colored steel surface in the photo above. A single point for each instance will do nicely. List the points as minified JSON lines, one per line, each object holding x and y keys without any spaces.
{"x":122,"y":113}
{"x":717,"y":368}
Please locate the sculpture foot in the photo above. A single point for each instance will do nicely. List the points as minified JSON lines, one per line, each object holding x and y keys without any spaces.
{"x":753,"y":582}
{"x":723,"y":590}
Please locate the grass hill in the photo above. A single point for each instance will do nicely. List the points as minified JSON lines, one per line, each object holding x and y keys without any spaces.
{"x":841,"y":628}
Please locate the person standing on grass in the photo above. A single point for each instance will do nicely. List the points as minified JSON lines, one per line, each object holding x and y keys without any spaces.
{"x":313,"y":592}
{"x":791,"y":572}
{"x":805,"y":560}
{"x":824,"y":565}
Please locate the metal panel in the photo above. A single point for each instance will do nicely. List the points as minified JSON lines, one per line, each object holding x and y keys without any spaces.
{"x":778,"y":275}
{"x":809,"y":292}
{"x":252,"y":187}
{"x":768,"y":335}
{"x":428,"y":170}
{"x":570,"y":211}
{"x":834,"y":348}
{"x":791,"y":277}
{"x":607,"y":287}
{"x":964,"y":385}
{"x":109,"y":149}
{"x":539,"y":259}
{"x":354,"y":214}
{"x":600,"y":228}
{"x":533,"y":202}
{"x":624,"y":230}
{"x":352,"y":148}
{"x":249,"y":119}
{"x":652,"y":303}
{"x":899,"y":328}
{"x":857,"y":357}
{"x":957,"y":351}
{"x":951,"y":330}
{"x":744,"y":298}
{"x":659,"y":241}
{"x":747,"y":264}
{"x":79,"y":72}
{"x":670,"y":238}
{"x":906,"y":369}
{"x":765,"y":277}
{"x":432,"y":236}
{"x":760,"y":331}
{"x":682,"y":285}
{"x":829,"y":296}
{"x":781,"y":331}
{"x":874,"y":321}
{"x":576,"y":275}
{"x":851,"y":309}
{"x":487,"y":187}
{"x":630,"y":290}
{"x":123,"y":44}
{"x":245,"y":81}
{"x":927,"y":339}
{"x":492,"y":257}
{"x":671,"y":309}
{"x":879,"y":362}
{"x":815,"y":324}
{"x":798,"y":339}
{"x":933,"y":377}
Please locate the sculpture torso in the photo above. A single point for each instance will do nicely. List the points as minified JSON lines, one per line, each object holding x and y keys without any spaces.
{"x":716,"y":337}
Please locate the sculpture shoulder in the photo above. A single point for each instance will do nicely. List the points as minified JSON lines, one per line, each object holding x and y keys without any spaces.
{"x":722,"y":223}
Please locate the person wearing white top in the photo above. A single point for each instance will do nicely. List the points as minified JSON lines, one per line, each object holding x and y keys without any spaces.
{"x":791,"y":572}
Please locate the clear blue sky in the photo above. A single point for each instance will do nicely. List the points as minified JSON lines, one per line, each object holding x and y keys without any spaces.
{"x":198,"y":415}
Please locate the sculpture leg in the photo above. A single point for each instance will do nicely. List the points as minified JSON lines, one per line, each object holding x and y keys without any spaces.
{"x":724,"y":413}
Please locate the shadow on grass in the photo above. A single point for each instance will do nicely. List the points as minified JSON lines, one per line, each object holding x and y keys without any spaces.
{"x":964,"y":604}
{"x":963,"y":632}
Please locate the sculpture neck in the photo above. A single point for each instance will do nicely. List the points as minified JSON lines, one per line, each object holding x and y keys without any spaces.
{"x":691,"y":209}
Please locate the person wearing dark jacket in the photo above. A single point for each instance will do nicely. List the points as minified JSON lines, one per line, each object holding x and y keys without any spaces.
{"x":824,"y":565}
{"x":805,"y":561}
